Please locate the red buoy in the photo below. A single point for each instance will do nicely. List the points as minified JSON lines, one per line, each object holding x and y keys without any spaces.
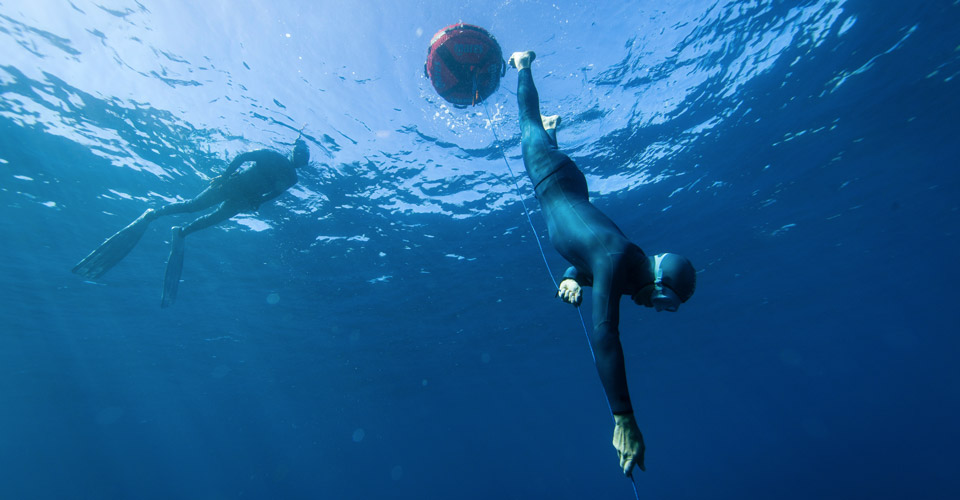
{"x":464,"y":64}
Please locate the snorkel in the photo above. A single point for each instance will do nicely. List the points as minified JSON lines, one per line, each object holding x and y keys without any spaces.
{"x":301,"y":153}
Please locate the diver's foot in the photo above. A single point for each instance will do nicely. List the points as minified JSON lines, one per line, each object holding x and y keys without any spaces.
{"x":522,"y":60}
{"x":149,"y":215}
{"x":550,"y":122}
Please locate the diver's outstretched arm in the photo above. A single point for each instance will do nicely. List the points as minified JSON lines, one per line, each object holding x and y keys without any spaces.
{"x":608,"y":351}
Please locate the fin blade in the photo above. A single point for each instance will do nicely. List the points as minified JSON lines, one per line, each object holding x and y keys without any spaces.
{"x":171,"y":278}
{"x":114,"y":249}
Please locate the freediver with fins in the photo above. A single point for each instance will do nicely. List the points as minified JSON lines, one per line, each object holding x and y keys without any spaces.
{"x":236,"y":190}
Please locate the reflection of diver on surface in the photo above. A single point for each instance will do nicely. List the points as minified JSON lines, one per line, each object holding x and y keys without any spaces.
{"x":236,"y":190}
{"x":601,"y":255}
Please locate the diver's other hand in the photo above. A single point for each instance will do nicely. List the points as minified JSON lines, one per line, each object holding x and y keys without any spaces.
{"x":522,"y":60}
{"x":570,"y":292}
{"x":628,"y":441}
{"x":216,"y":181}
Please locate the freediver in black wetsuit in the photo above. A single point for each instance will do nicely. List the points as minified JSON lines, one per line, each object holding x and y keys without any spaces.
{"x":601,"y":255}
{"x":235,"y":190}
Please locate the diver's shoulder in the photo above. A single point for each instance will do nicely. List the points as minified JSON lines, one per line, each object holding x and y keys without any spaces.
{"x":268,"y":156}
{"x":267,"y":153}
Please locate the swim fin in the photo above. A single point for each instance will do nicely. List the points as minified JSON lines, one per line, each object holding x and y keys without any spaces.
{"x":115,"y":248}
{"x":171,"y":279}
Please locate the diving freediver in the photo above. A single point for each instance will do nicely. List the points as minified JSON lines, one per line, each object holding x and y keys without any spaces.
{"x":601,"y":257}
{"x":236,"y":190}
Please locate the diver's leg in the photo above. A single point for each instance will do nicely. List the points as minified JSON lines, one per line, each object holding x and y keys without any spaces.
{"x":533,"y":136}
{"x":206,"y":199}
{"x":171,"y":277}
{"x":540,"y":155}
{"x":550,"y":124}
{"x":226,"y":210}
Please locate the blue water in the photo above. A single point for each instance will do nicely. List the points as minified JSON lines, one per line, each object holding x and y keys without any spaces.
{"x":388,"y":329}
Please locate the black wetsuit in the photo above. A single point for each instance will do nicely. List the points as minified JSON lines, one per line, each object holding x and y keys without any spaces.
{"x":601,"y":254}
{"x":239,"y":190}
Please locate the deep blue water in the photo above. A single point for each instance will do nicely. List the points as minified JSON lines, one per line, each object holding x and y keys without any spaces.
{"x":387,"y":329}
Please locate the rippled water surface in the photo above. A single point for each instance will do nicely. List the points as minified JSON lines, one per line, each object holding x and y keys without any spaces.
{"x":387,"y":329}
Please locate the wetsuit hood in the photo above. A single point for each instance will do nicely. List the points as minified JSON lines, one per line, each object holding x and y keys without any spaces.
{"x":675,"y":272}
{"x":672,"y":281}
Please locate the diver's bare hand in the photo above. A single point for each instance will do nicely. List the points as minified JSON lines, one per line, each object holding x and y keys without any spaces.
{"x":570,"y":292}
{"x":628,"y":441}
